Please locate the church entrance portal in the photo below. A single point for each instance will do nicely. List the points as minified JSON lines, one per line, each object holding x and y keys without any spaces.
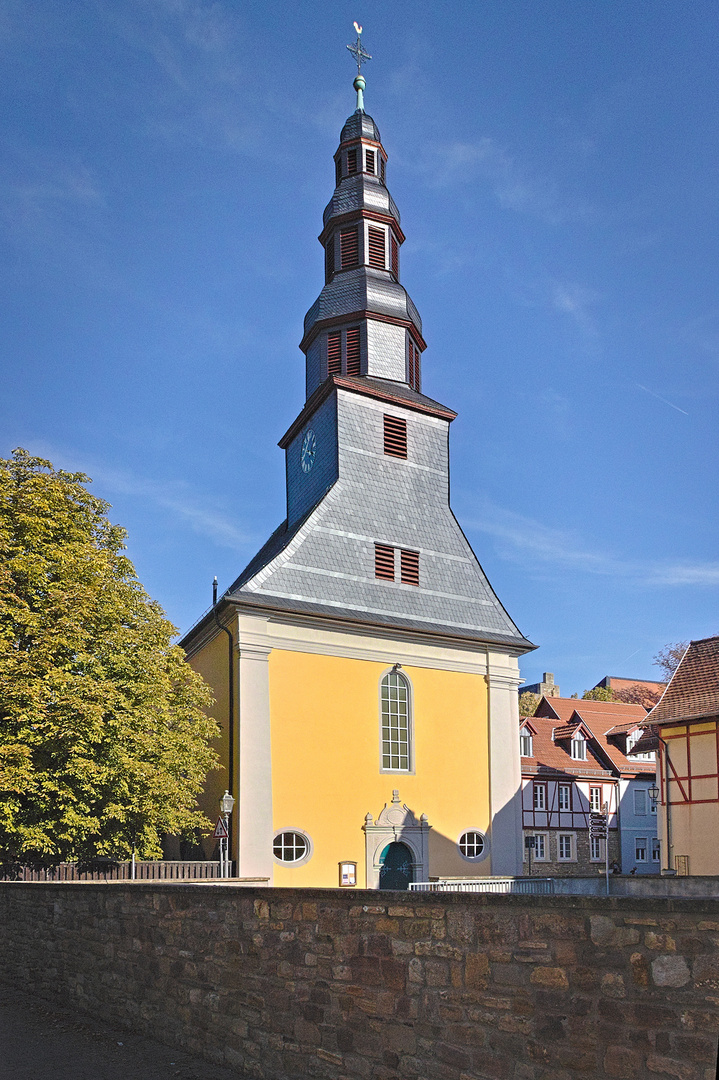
{"x":396,"y":869}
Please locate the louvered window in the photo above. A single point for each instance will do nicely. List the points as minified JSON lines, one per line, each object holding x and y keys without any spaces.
{"x":409,"y":567}
{"x":381,"y":167}
{"x":330,"y":258}
{"x":384,"y":562}
{"x":394,"y":250}
{"x":353,"y":350}
{"x":338,"y":172}
{"x":349,"y":248}
{"x":334,"y":353}
{"x":377,"y":254}
{"x":369,"y":161}
{"x":413,"y":365}
{"x":351,"y":162}
{"x":395,"y":436}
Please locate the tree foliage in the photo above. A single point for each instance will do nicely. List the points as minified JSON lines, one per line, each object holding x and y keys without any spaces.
{"x":599,"y":693}
{"x":104,"y":741}
{"x":668,"y":658}
{"x":528,"y":703}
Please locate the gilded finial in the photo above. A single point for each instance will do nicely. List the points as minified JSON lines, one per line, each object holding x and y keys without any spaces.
{"x":361,"y":57}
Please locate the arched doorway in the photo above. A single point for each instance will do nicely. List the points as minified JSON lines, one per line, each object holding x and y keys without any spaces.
{"x":396,"y":869}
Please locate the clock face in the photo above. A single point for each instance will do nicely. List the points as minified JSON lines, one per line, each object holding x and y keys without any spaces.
{"x":308,"y":451}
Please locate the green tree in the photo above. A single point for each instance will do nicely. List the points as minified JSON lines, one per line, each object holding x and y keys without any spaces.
{"x":528,"y":703}
{"x":104,"y":739}
{"x":599,"y":693}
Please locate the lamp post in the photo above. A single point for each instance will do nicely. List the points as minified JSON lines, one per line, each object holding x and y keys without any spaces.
{"x":226,"y":804}
{"x":654,"y":793}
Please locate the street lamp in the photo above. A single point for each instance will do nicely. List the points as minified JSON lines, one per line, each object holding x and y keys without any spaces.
{"x":654,"y":793}
{"x":226,"y":804}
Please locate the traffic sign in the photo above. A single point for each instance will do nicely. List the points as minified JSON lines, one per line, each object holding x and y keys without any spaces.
{"x":220,"y":832}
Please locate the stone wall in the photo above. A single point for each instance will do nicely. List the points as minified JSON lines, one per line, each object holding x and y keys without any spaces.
{"x":343,"y":984}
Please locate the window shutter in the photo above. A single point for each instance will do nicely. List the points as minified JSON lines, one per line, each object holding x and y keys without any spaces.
{"x":414,"y":355}
{"x":394,"y":250}
{"x":351,"y":162}
{"x":334,"y":353}
{"x":377,"y":249}
{"x":381,"y":167}
{"x":409,"y":567}
{"x":384,"y":562}
{"x":349,"y":248}
{"x":353,"y":350}
{"x":395,"y":436}
{"x":338,"y":171}
{"x":369,"y":161}
{"x":329,"y":258}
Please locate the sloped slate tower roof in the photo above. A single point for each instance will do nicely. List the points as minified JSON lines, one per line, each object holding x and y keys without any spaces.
{"x":346,"y":493}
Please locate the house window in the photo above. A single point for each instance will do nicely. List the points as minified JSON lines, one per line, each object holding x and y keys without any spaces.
{"x":472,"y":844}
{"x":384,"y":562}
{"x":525,"y":744}
{"x":564,"y":797}
{"x":395,"y":436}
{"x":377,"y":248}
{"x":394,"y":256}
{"x":656,"y":850}
{"x":291,"y":847}
{"x":349,"y":248}
{"x":595,"y":848}
{"x":579,"y":748}
{"x":409,"y":567}
{"x":640,"y":802}
{"x":539,"y":850}
{"x":564,"y":847}
{"x":640,"y":849}
{"x":395,"y":722}
{"x":595,"y":800}
{"x":334,"y":353}
{"x":352,"y":162}
{"x":540,"y":796}
{"x":369,"y":161}
{"x":353,"y":350}
{"x":652,"y":804}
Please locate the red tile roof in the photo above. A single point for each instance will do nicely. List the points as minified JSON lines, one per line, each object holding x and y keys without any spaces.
{"x":606,"y":720}
{"x":693,"y":691}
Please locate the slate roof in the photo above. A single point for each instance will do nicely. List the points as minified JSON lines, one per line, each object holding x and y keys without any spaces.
{"x":693,"y":691}
{"x":608,"y":722}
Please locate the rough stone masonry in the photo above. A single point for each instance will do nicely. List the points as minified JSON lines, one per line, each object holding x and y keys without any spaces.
{"x":282,"y":984}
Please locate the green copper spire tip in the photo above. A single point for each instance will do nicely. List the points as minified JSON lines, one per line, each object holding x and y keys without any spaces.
{"x":361,"y":57}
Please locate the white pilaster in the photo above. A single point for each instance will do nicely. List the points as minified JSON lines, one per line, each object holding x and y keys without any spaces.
{"x":254,"y":804}
{"x":505,"y":774}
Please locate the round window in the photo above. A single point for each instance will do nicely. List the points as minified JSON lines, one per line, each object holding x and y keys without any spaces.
{"x":472,"y":844}
{"x":291,"y":847}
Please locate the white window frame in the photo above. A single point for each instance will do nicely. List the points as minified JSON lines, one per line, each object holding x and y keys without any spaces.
{"x":525,"y":740}
{"x":656,"y":849}
{"x":409,"y":769}
{"x":595,"y":805}
{"x":595,"y":841}
{"x":562,"y":789}
{"x":572,"y":838}
{"x":297,"y":862}
{"x":387,"y":254}
{"x":637,"y":841}
{"x":537,"y":789}
{"x":645,"y":794}
{"x":544,"y":837}
{"x":578,"y":743}
{"x":483,"y":853}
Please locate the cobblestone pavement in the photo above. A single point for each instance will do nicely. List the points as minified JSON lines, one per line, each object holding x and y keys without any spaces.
{"x":39,"y":1041}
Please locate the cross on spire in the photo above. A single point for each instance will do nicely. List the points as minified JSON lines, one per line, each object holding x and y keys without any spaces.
{"x":361,"y":57}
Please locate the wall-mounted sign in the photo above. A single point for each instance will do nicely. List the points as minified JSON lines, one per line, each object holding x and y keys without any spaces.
{"x":348,"y":874}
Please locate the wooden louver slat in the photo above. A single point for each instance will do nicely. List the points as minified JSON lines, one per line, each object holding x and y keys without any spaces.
{"x":377,"y":250}
{"x":394,"y":253}
{"x":349,"y":248}
{"x":369,"y":161}
{"x":381,"y":168}
{"x":409,"y":567}
{"x":338,"y":172}
{"x":334,"y":353}
{"x":384,"y":562}
{"x":413,"y":364}
{"x":330,"y":258}
{"x":353,"y":350}
{"x":395,"y":436}
{"x":351,"y":162}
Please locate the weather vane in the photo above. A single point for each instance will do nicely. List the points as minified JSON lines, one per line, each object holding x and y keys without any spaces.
{"x":361,"y":57}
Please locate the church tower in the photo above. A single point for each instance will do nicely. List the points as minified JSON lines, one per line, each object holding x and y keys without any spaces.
{"x":364,"y":669}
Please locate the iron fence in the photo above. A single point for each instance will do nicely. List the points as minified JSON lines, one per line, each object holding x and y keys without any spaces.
{"x":528,"y":886}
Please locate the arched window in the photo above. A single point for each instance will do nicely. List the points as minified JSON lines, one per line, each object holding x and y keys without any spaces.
{"x":396,"y":723}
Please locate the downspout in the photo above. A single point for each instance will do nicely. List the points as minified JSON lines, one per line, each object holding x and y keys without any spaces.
{"x":230,"y":695}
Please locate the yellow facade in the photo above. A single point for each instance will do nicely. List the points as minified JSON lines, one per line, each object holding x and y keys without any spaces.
{"x":691,"y":822}
{"x":326,"y":776}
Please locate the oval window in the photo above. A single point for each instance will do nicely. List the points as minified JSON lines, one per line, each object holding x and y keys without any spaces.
{"x":291,"y":847}
{"x":472,"y":844}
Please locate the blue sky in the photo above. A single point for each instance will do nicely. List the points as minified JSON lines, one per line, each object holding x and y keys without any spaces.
{"x":164,"y":168}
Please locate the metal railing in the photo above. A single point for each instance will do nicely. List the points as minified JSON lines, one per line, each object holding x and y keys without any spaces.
{"x":528,"y":886}
{"x":159,"y":870}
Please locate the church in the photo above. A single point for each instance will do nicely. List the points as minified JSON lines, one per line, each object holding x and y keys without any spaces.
{"x":365,"y":673}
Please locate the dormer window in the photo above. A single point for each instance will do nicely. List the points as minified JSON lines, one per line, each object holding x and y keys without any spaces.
{"x":369,"y":157}
{"x":579,"y":747}
{"x":525,"y":743}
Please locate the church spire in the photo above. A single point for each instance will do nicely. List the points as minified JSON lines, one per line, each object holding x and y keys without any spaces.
{"x":363,"y":323}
